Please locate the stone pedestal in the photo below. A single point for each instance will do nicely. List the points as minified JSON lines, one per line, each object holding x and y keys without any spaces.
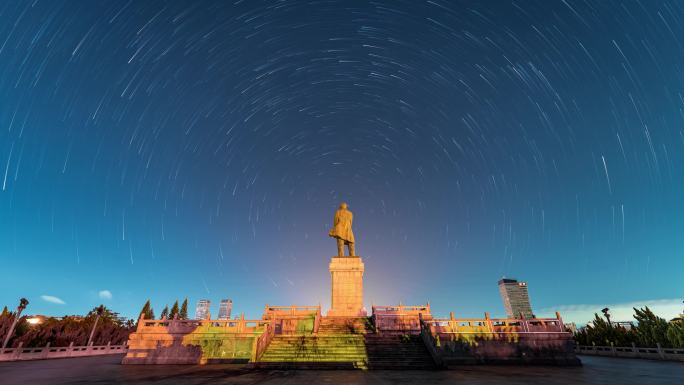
{"x":346,"y":274}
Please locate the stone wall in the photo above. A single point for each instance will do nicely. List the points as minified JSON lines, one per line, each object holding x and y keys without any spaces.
{"x":193,"y":342}
{"x":546,"y":348}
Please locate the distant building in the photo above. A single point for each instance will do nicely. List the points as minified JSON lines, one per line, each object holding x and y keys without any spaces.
{"x":515,"y":298}
{"x":623,"y":324}
{"x":225,"y":308}
{"x":202,"y":310}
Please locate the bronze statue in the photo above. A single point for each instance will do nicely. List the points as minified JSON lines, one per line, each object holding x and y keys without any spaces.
{"x":342,"y":230}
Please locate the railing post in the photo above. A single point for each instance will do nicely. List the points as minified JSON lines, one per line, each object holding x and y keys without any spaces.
{"x":612,"y":348}
{"x":18,"y":350}
{"x":46,"y":350}
{"x":660,"y":351}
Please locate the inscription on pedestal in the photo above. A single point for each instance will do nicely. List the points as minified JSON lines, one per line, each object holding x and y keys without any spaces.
{"x":346,"y":274}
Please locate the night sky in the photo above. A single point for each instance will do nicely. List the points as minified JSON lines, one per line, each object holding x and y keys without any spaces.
{"x":164,"y":149}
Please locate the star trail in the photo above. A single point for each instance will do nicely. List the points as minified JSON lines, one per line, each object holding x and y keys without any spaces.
{"x":164,"y":149}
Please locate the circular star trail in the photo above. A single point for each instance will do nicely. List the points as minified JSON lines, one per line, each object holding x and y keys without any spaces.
{"x":166,"y":149}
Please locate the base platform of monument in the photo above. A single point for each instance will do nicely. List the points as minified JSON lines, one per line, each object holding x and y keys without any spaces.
{"x":345,"y":343}
{"x":346,"y":275}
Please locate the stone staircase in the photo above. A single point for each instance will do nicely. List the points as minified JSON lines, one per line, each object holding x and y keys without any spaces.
{"x":315,"y":352}
{"x":345,"y":343}
{"x":397,"y":352}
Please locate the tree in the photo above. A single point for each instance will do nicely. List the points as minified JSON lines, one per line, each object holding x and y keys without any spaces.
{"x":184,"y":310}
{"x":165,"y":312}
{"x":174,"y":310}
{"x":651,"y":329}
{"x":5,"y":312}
{"x":675,"y":333}
{"x":147,"y":310}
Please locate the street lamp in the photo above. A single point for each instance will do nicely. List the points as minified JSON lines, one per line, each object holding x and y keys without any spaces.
{"x":99,"y":311}
{"x":607,"y":315}
{"x":22,"y":305}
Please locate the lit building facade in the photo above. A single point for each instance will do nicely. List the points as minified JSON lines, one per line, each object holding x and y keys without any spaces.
{"x":202,"y":309}
{"x":225,"y":308}
{"x":515,"y":298}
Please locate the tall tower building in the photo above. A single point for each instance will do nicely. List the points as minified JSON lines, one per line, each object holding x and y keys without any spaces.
{"x":515,"y":298}
{"x":225,"y":307}
{"x":202,"y":309}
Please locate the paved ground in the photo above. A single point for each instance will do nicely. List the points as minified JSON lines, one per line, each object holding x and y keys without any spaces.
{"x":105,"y":370}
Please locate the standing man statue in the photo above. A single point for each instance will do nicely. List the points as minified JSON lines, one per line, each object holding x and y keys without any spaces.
{"x":342,"y":230}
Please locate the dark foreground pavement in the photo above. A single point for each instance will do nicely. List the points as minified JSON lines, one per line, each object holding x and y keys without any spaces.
{"x":106,"y":370}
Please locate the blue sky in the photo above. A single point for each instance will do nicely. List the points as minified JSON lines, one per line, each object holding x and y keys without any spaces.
{"x":170,"y":149}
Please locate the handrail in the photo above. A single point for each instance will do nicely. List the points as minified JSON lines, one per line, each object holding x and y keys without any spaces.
{"x":430,"y":343}
{"x":496,"y":325}
{"x":21,"y":353}
{"x":400,"y":309}
{"x":317,"y":321}
{"x":262,"y":342}
{"x":657,"y":352}
{"x":289,"y":311}
{"x":237,"y":325}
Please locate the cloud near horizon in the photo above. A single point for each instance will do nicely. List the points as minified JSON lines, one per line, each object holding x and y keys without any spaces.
{"x":105,"y":294}
{"x":52,"y":299}
{"x":583,"y":313}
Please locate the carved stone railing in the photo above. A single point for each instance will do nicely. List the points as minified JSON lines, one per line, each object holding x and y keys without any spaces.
{"x":653,"y":353}
{"x":293,"y":310}
{"x":293,"y":319}
{"x":495,"y":325}
{"x":21,"y":353}
{"x":401,"y":310}
{"x":262,"y":343}
{"x":317,"y":321}
{"x":399,"y":319}
{"x":430,"y":343}
{"x":224,"y":326}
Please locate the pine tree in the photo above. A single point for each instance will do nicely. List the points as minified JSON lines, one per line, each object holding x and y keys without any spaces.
{"x":5,"y":312}
{"x":184,"y":310}
{"x":651,"y":329}
{"x":165,"y":312}
{"x":147,"y":310}
{"x":174,"y":310}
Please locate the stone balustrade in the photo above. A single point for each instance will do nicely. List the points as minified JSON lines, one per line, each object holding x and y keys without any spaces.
{"x":656,"y":353}
{"x":224,"y":326}
{"x":271,"y":312}
{"x":21,"y":353}
{"x":401,"y":319}
{"x":495,"y":325}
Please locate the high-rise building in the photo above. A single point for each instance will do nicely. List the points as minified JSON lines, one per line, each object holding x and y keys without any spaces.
{"x":515,"y":298}
{"x":225,"y":307}
{"x":202,"y":309}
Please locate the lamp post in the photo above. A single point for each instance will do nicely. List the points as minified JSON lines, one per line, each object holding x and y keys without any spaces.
{"x":607,"y":315}
{"x":99,"y":311}
{"x":22,"y":305}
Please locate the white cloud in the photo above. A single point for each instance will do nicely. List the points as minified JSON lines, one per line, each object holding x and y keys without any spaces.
{"x":52,"y":299}
{"x":105,"y":294}
{"x":583,"y":313}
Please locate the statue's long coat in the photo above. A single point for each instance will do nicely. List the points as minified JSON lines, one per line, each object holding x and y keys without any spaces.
{"x":342,"y":226}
